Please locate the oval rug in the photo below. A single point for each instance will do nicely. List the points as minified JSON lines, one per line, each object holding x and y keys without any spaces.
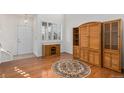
{"x":71,"y":68}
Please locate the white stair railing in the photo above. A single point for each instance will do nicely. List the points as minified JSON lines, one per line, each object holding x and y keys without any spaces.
{"x":5,"y":55}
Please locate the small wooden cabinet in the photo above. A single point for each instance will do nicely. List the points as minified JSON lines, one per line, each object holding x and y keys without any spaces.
{"x":94,"y":58}
{"x":84,"y":54}
{"x":112,"y":61}
{"x":107,"y":60}
{"x":115,"y":62}
{"x":51,"y":49}
{"x":76,"y":51}
{"x":112,"y":45}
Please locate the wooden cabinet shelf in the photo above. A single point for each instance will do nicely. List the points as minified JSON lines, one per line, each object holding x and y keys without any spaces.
{"x":76,"y":42}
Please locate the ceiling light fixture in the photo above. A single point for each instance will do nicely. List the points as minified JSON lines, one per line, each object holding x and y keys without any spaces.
{"x":26,"y":19}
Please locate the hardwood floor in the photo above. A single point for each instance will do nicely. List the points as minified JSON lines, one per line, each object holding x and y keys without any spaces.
{"x":41,"y":68}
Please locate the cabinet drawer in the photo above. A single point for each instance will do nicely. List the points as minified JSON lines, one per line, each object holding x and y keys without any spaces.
{"x":84,"y":55}
{"x":112,"y":61}
{"x":96,"y":58}
{"x":76,"y":51}
{"x":107,"y":60}
{"x":91,"y":57}
{"x":115,"y":62}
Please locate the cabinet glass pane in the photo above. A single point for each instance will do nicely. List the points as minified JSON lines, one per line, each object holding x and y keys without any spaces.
{"x":107,"y":36}
{"x":114,"y":36}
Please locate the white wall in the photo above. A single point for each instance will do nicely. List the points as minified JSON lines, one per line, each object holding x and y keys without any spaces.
{"x":54,"y":18}
{"x":8,"y":31}
{"x":74,"y":20}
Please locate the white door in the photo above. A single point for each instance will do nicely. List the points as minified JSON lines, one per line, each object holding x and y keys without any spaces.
{"x":24,"y":39}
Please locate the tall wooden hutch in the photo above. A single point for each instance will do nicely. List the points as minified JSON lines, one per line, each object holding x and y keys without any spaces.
{"x":99,"y":43}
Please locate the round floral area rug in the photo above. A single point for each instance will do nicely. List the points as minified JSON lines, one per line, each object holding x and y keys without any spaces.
{"x":71,"y":68}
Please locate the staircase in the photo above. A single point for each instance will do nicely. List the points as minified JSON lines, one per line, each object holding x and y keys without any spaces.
{"x":5,"y":55}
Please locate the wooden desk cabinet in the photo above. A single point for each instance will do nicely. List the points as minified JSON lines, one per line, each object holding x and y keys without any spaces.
{"x":52,"y":49}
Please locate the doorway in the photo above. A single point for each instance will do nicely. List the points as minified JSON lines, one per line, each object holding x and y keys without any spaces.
{"x":24,"y":39}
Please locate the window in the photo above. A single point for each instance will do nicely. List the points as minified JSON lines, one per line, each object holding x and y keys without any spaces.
{"x":51,"y":31}
{"x":43,"y":29}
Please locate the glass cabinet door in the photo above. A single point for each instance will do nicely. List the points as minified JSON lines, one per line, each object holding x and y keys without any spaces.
{"x":107,"y":36}
{"x":114,"y":36}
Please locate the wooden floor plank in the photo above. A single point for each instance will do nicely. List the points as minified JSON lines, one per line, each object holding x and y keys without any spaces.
{"x":41,"y":68}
